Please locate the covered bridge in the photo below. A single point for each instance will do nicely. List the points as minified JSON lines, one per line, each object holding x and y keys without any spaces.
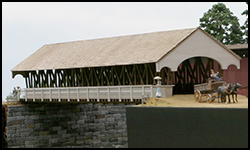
{"x":181,"y":57}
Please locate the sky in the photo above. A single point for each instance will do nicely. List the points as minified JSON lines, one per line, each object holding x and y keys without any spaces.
{"x":27,"y":26}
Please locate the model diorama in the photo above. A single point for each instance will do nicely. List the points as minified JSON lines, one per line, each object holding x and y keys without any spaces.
{"x":122,"y":69}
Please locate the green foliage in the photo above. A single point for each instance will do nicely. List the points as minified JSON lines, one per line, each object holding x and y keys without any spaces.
{"x":220,"y":22}
{"x":245,"y":26}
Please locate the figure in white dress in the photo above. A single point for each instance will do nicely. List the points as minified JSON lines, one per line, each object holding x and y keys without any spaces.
{"x":158,"y":91}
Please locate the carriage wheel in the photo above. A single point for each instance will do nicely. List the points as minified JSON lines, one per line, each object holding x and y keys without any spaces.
{"x":209,"y":98}
{"x":197,"y":96}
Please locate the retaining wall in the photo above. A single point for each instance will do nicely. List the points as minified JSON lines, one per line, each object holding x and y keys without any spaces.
{"x":187,"y":127}
{"x":4,"y":144}
{"x":46,"y":125}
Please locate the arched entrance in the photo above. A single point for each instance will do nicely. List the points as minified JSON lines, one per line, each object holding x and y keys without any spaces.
{"x":192,"y":71}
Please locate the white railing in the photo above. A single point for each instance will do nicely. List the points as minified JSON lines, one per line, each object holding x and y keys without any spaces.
{"x":130,"y":92}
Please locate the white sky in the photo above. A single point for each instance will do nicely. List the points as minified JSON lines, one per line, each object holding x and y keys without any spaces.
{"x":27,"y":26}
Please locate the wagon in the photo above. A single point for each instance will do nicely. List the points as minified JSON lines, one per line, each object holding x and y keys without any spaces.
{"x":207,"y":89}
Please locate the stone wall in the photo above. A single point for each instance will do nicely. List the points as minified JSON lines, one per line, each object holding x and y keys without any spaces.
{"x":46,"y":125}
{"x":4,"y":144}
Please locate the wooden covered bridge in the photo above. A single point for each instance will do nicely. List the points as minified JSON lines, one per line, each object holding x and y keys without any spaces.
{"x":121,"y":69}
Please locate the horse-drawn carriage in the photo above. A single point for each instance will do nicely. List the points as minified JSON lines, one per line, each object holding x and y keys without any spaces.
{"x":210,"y":90}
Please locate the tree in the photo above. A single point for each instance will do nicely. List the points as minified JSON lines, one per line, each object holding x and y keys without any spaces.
{"x":245,"y":26}
{"x":220,"y":22}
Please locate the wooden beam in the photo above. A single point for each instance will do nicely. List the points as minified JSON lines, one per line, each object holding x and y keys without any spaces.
{"x":72,"y":75}
{"x":117,"y":76}
{"x":85,"y":76}
{"x":95,"y":74}
{"x":152,"y":71}
{"x":91,"y":76}
{"x":133,"y":74}
{"x":141,"y":82}
{"x":100,"y":76}
{"x":106,"y":75}
{"x":122,"y":75}
{"x":128,"y":76}
{"x":30,"y":80}
{"x":112,"y":73}
{"x":145,"y":74}
{"x":62,"y":78}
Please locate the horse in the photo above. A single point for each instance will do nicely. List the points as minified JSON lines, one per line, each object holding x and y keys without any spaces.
{"x":229,"y":91}
{"x":235,"y":91}
{"x":223,"y":91}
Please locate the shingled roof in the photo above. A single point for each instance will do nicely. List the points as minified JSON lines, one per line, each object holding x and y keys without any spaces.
{"x":120,"y":50}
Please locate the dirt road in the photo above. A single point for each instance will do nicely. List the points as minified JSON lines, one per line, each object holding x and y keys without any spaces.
{"x":187,"y":100}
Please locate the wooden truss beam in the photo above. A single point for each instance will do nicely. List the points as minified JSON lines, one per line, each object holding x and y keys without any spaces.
{"x":137,"y":74}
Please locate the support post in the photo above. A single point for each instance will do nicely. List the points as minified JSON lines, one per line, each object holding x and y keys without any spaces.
{"x":131,"y":94}
{"x":42,"y":95}
{"x":87,"y":89}
{"x":68,"y":95}
{"x":25,"y":95}
{"x":108,"y":94}
{"x":33,"y":95}
{"x":50,"y":95}
{"x":97,"y":92}
{"x":77,"y":90}
{"x":59,"y":95}
{"x":119,"y":90}
{"x":142,"y":90}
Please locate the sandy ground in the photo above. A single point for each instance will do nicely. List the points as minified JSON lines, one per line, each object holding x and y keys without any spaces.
{"x":187,"y":100}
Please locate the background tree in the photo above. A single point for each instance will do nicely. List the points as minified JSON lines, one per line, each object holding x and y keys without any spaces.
{"x":220,"y":22}
{"x":245,"y":26}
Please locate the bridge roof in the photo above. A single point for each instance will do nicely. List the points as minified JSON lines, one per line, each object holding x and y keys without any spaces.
{"x":120,"y":50}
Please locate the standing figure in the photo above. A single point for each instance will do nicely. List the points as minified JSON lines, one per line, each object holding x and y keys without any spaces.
{"x":14,"y":92}
{"x":158,"y":86}
{"x":214,"y":75}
